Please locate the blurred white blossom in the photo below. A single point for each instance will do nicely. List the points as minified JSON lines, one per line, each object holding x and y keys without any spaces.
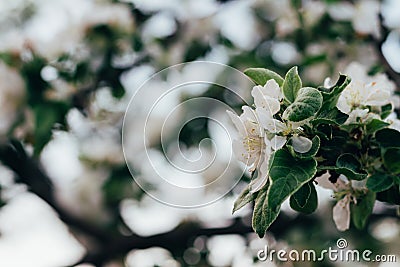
{"x":363,"y":91}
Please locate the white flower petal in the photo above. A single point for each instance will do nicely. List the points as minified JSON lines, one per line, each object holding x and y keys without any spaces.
{"x":238,"y":123}
{"x":248,"y":114}
{"x":274,"y":126}
{"x":324,"y":182}
{"x":271,"y":89}
{"x":328,"y":83}
{"x":343,"y":104}
{"x":356,"y":71}
{"x":357,"y":114}
{"x":342,"y":183}
{"x":359,"y":184}
{"x":341,"y":214}
{"x":301,"y":144}
{"x":378,"y":97}
{"x":241,"y":153}
{"x":268,"y":123}
{"x":277,"y":142}
{"x":273,"y":105}
{"x":262,"y":177}
{"x":382,"y":81}
{"x":267,"y":96}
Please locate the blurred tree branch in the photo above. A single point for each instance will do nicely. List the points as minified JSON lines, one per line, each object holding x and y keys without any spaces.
{"x":29,"y":172}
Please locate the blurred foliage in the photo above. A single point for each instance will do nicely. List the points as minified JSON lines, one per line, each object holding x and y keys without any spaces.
{"x":97,"y":61}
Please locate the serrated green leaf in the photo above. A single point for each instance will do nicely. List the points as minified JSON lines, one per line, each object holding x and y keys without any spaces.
{"x":388,"y":138}
{"x":375,"y":125}
{"x":305,"y":200}
{"x":244,"y":198}
{"x":331,"y":116}
{"x":291,"y":85}
{"x":311,"y":153}
{"x":307,"y":104}
{"x":379,"y":182}
{"x":287,"y":175}
{"x":263,"y":215}
{"x":348,"y":165}
{"x":391,"y":160}
{"x":362,"y":210}
{"x":260,"y":76}
{"x":331,"y":97}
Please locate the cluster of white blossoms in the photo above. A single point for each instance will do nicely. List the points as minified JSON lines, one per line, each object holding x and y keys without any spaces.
{"x":282,"y":141}
{"x":260,"y":133}
{"x":363,"y":91}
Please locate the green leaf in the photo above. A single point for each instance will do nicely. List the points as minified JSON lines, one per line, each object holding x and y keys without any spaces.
{"x":119,"y":186}
{"x":388,"y":138}
{"x":47,"y":115}
{"x":332,"y":143}
{"x":331,"y":116}
{"x":362,"y":210}
{"x":245,"y":197}
{"x":263,"y":215}
{"x":307,"y":104}
{"x":391,"y":196}
{"x":391,"y":160}
{"x":291,"y":85}
{"x":260,"y":76}
{"x":332,"y":94}
{"x":379,"y":182}
{"x":386,"y":110}
{"x":287,"y":175}
{"x":375,"y":125}
{"x":311,"y":153}
{"x":349,"y":166}
{"x":305,"y":200}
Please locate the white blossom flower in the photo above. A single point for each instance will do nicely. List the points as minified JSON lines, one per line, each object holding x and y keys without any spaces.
{"x":361,"y":115}
{"x":252,"y":148}
{"x":248,"y":149}
{"x":394,"y":121}
{"x":364,"y":15}
{"x":359,"y":94}
{"x":267,"y":101}
{"x":268,"y":122}
{"x":341,"y":211}
{"x":343,"y":191}
{"x":277,"y":142}
{"x":261,"y":134}
{"x":363,"y":91}
{"x":268,"y":96}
